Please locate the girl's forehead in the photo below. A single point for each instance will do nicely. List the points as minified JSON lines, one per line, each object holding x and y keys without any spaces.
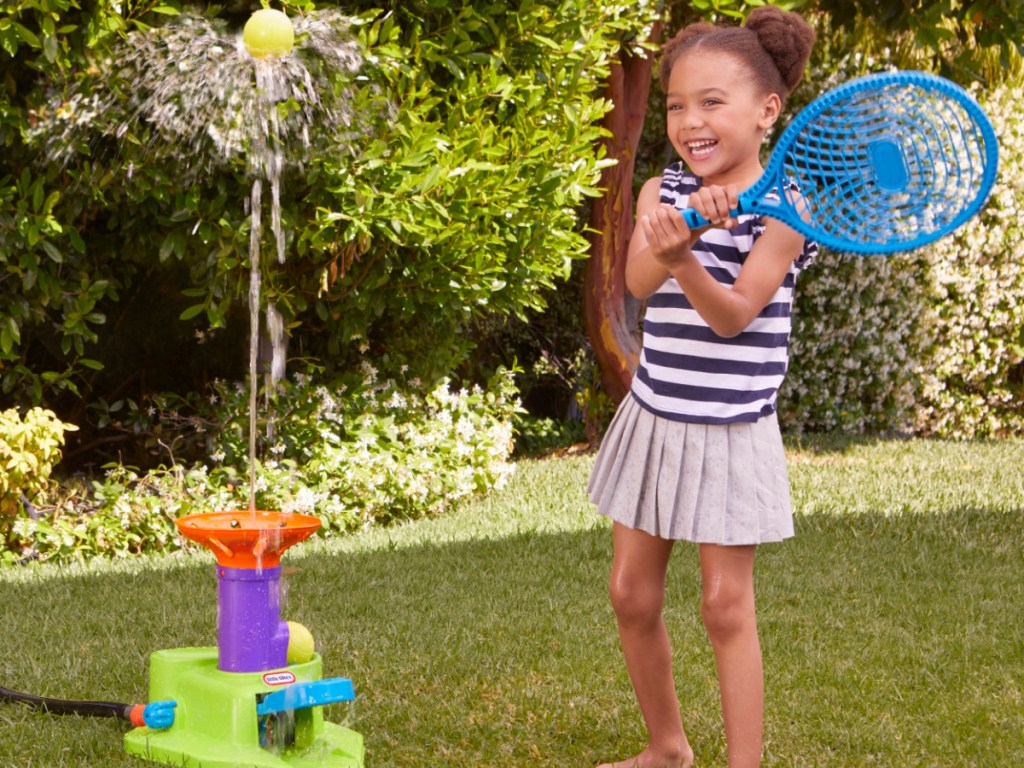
{"x":701,"y":68}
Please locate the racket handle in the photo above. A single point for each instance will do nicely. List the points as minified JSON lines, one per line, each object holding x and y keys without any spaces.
{"x":693,"y":219}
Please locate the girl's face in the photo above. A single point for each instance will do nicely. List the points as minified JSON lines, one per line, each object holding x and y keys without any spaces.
{"x":717,"y":118}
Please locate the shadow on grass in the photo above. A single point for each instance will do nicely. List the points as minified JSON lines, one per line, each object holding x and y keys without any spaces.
{"x":892,"y":641}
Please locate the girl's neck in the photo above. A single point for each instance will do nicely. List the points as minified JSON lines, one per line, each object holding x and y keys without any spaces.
{"x":743,"y":177}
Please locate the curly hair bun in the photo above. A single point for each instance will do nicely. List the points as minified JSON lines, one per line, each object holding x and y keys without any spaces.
{"x":786,"y":37}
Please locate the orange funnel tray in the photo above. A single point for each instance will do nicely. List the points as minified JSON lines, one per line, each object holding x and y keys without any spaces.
{"x":246,"y":539}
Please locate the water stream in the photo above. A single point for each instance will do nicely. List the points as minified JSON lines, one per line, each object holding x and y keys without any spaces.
{"x":206,"y":102}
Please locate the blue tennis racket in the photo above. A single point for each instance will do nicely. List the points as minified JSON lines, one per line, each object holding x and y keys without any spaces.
{"x":884,"y":163}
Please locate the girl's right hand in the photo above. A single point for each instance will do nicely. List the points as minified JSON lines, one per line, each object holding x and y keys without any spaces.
{"x":668,"y":235}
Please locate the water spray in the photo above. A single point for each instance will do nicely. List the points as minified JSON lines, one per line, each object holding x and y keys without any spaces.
{"x":256,"y":699}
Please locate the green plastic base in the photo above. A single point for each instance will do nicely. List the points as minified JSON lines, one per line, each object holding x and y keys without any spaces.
{"x":216,"y":725}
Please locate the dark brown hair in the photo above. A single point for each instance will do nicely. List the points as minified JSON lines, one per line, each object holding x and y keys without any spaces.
{"x":773,"y":44}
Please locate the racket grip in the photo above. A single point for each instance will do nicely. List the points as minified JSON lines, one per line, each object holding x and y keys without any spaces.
{"x":693,"y":219}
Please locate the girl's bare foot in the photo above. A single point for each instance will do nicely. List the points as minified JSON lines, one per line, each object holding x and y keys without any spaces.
{"x":649,"y":759}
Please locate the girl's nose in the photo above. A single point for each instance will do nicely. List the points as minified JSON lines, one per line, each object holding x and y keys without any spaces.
{"x":691,"y":120}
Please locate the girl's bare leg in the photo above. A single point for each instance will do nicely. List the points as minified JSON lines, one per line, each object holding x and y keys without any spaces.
{"x":727,"y":606}
{"x":637,"y":590}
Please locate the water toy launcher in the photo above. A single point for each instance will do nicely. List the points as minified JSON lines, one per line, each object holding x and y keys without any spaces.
{"x":251,"y":637}
{"x":241,"y":704}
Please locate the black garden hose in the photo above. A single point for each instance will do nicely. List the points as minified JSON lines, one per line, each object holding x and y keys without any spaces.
{"x":157,"y":715}
{"x":66,"y":707}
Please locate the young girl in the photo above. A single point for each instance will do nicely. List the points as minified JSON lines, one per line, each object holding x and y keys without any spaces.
{"x":694,"y":452}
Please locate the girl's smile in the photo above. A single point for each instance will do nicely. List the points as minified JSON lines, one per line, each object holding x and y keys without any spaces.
{"x":701,"y":149}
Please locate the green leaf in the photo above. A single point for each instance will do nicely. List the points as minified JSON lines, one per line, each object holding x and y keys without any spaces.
{"x":193,"y":311}
{"x":52,"y":251}
{"x":50,"y":48}
{"x":25,"y":34}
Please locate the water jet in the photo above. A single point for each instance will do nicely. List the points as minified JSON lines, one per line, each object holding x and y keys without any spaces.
{"x":208,"y":97}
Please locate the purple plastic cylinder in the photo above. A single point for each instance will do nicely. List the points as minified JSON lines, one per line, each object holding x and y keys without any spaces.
{"x":250,"y":634}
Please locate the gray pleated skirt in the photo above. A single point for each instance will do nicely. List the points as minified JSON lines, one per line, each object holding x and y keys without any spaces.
{"x":717,"y":484}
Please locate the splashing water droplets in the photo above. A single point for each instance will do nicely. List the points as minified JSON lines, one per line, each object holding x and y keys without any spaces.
{"x":193,"y":96}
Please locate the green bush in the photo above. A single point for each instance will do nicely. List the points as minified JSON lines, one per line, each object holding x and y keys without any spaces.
{"x":355,"y":452}
{"x":930,"y":342}
{"x":468,"y":198}
{"x":29,"y":449}
{"x":454,"y":199}
{"x":52,"y":287}
{"x":972,"y":375}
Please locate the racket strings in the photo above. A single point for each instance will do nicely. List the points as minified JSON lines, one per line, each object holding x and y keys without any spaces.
{"x":894,"y":164}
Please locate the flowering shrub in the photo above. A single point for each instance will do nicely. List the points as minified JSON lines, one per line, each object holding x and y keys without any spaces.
{"x":365,"y":450}
{"x":972,"y":377}
{"x":357,"y":452}
{"x":29,"y":447}
{"x":930,"y":342}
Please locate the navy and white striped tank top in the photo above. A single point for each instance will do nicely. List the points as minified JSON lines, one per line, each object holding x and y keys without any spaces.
{"x":689,"y":373}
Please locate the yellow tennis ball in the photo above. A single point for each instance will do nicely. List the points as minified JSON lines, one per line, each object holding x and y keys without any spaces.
{"x":268,"y":33}
{"x":300,"y":643}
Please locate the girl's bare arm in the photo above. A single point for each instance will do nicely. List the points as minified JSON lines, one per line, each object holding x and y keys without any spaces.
{"x":661,"y":246}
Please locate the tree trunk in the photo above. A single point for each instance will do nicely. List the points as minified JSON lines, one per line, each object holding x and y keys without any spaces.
{"x":610,"y":312}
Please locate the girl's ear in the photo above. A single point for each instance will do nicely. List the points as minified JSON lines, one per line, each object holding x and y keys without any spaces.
{"x":770,"y":110}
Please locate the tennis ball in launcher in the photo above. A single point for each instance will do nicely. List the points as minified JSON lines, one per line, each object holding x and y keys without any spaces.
{"x":300,"y":643}
{"x":268,"y":33}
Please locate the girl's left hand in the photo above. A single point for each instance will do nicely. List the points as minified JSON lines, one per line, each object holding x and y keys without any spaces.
{"x":716,"y":204}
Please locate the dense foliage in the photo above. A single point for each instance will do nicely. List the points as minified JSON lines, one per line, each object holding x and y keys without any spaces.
{"x":456,"y":196}
{"x":929,"y":342}
{"x":429,"y":236}
{"x":452,"y":197}
{"x":972,"y":377}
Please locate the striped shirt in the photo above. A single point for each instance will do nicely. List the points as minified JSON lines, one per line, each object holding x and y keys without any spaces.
{"x":689,"y":373}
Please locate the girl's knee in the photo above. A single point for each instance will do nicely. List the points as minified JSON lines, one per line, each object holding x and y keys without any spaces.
{"x":636,"y":603}
{"x":727,"y":613}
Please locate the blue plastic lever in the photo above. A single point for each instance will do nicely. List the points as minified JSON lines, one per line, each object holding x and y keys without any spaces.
{"x":314,"y":693}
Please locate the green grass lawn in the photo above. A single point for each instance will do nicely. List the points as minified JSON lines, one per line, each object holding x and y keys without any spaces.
{"x":892,"y":625}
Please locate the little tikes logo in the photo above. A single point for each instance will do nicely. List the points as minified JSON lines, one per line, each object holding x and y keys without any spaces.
{"x":279,"y":678}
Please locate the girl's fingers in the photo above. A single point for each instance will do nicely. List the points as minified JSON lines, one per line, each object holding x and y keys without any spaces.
{"x":716,"y":204}
{"x":671,"y":224}
{"x":660,"y":223}
{"x":666,"y":232}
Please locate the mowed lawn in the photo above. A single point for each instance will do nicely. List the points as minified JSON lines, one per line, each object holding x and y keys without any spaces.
{"x":892,"y":624}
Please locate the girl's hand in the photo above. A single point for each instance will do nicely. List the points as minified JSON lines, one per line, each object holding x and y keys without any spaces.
{"x":716,"y":204}
{"x":667,"y":234}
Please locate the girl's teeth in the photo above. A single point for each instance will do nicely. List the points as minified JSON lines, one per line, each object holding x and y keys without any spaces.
{"x":699,"y":150}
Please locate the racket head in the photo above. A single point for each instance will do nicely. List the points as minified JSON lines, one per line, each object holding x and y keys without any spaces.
{"x":885,"y":163}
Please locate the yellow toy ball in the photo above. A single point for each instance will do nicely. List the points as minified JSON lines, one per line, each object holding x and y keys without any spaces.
{"x":268,"y":33}
{"x":300,"y":643}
